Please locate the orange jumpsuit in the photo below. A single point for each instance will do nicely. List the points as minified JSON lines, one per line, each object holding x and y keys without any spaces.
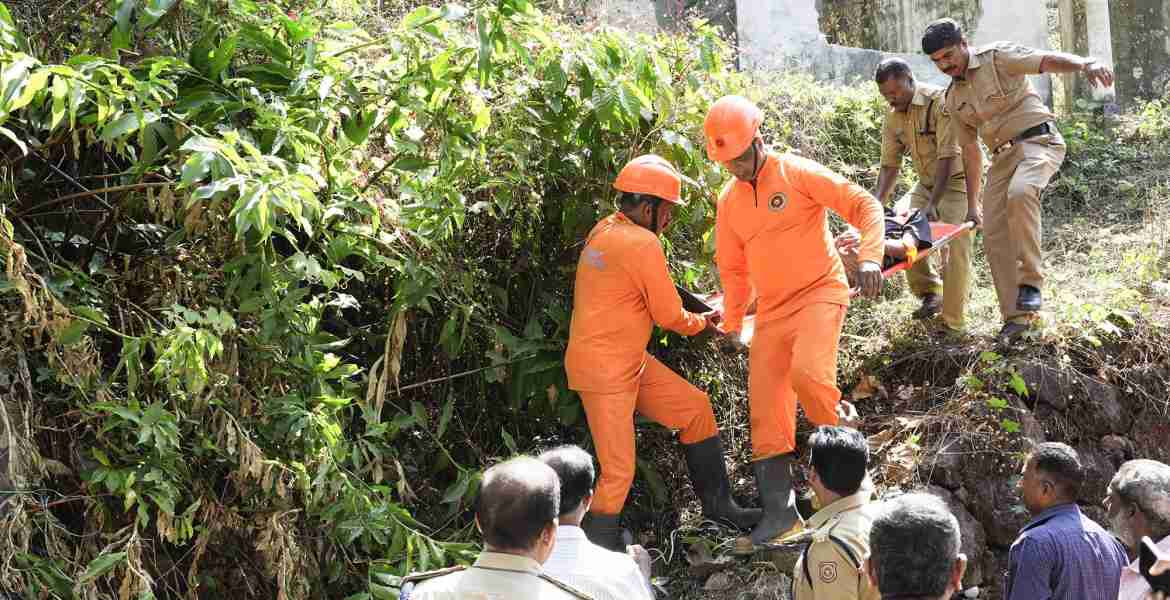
{"x":623,"y":287}
{"x":775,"y":237}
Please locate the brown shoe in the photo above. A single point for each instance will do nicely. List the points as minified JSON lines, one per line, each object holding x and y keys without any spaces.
{"x":931,"y":306}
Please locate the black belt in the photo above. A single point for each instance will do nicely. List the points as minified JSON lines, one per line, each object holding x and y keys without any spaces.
{"x":1031,"y":132}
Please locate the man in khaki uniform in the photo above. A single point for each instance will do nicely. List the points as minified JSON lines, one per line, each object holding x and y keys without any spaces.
{"x":990,"y":97}
{"x":517,"y":513}
{"x":919,"y":124}
{"x":831,"y":567}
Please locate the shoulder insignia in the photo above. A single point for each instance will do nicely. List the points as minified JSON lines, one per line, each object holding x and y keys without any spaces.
{"x":827,"y":571}
{"x":564,"y":587}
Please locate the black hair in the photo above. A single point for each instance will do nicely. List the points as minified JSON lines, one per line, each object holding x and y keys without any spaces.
{"x":518,"y":499}
{"x":913,"y":545}
{"x":574,"y":467}
{"x":892,"y":67}
{"x":839,"y":455}
{"x":1062,"y":465}
{"x":940,"y":34}
{"x":631,"y":200}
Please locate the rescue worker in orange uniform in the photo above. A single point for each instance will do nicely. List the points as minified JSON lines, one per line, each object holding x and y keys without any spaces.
{"x":622,"y":289}
{"x":772,"y":235}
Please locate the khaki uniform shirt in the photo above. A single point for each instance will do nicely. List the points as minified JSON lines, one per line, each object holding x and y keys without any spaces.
{"x":494,"y":576}
{"x":924,"y":131}
{"x":995,"y":100}
{"x":831,"y":567}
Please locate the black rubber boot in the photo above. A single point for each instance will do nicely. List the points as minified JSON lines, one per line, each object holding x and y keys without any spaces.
{"x":606,"y":531}
{"x":709,"y":478}
{"x":1029,"y":299}
{"x":774,"y":479}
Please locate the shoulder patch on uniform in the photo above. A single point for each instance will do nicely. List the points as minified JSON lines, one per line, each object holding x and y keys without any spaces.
{"x":827,"y":571}
{"x":595,"y":258}
{"x":777,"y":202}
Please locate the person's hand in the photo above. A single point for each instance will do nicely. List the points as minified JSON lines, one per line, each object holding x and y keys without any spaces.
{"x":848,"y":240}
{"x":1161,"y":566}
{"x":869,"y":278}
{"x":641,"y":557}
{"x":847,"y":414}
{"x":711,"y":327}
{"x":730,"y":341}
{"x":1098,"y":74}
{"x":975,"y":215}
{"x":930,"y":211}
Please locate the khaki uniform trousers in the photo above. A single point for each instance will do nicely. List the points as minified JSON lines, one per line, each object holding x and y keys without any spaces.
{"x":662,"y":396}
{"x":955,"y":281}
{"x":1011,"y":217}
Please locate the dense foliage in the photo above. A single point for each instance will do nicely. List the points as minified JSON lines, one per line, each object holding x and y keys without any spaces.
{"x":279,"y":280}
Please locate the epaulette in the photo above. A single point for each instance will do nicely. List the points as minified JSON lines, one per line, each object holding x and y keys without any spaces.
{"x":407,"y":584}
{"x":564,"y":587}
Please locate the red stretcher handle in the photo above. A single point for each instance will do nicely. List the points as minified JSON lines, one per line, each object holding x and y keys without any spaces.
{"x":942,"y":240}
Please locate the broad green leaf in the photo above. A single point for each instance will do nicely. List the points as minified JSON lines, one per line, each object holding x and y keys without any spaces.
{"x":219,"y":62}
{"x":483,"y":114}
{"x":120,"y":128}
{"x":154,"y":10}
{"x":418,"y":16}
{"x":36,"y":82}
{"x":4,"y":131}
{"x":60,"y":97}
{"x":485,"y":48}
{"x":120,"y":38}
{"x":357,"y":127}
{"x":100,"y":566}
{"x":1018,"y":384}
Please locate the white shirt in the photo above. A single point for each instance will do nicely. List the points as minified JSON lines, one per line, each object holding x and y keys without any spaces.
{"x":1133,"y":585}
{"x":593,"y":569}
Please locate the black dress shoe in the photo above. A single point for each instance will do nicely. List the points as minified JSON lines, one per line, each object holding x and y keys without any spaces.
{"x":1029,"y":299}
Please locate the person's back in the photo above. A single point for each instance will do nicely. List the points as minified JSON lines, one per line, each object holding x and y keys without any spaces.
{"x":494,"y":576}
{"x":593,"y":569}
{"x":517,"y":513}
{"x":575,"y":560}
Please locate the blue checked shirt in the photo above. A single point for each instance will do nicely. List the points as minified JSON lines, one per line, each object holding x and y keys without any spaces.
{"x":1064,"y":555}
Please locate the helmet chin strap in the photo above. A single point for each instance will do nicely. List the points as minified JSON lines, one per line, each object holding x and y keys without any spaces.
{"x":755,"y":172}
{"x":654,"y":204}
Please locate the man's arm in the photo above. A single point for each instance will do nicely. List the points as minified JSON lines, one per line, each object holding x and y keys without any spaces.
{"x":891,"y":160}
{"x":857,"y":207}
{"x":948,"y":149}
{"x":887,"y":177}
{"x":1029,"y":571}
{"x":661,"y":296}
{"x":973,"y":171}
{"x":1063,"y":62}
{"x":733,"y":271}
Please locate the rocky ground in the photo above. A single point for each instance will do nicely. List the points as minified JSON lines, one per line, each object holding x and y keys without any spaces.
{"x":955,"y":416}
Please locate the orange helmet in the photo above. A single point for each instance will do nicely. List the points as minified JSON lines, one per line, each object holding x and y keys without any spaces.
{"x":731,"y":125}
{"x":651,"y":174}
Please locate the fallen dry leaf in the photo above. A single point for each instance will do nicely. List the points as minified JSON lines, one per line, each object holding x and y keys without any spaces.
{"x":868,"y":387}
{"x":719,"y":582}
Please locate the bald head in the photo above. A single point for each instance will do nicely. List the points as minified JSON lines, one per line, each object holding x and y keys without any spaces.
{"x":518,"y":499}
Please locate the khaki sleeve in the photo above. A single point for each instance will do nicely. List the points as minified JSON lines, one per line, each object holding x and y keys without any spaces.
{"x":833,"y":574}
{"x":892,"y":149}
{"x":948,"y":145}
{"x":1018,"y":60}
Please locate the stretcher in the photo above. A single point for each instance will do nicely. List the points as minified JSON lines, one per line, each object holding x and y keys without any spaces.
{"x":941,"y":233}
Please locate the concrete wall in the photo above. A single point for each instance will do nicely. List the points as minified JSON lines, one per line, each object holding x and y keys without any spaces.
{"x":784,"y":34}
